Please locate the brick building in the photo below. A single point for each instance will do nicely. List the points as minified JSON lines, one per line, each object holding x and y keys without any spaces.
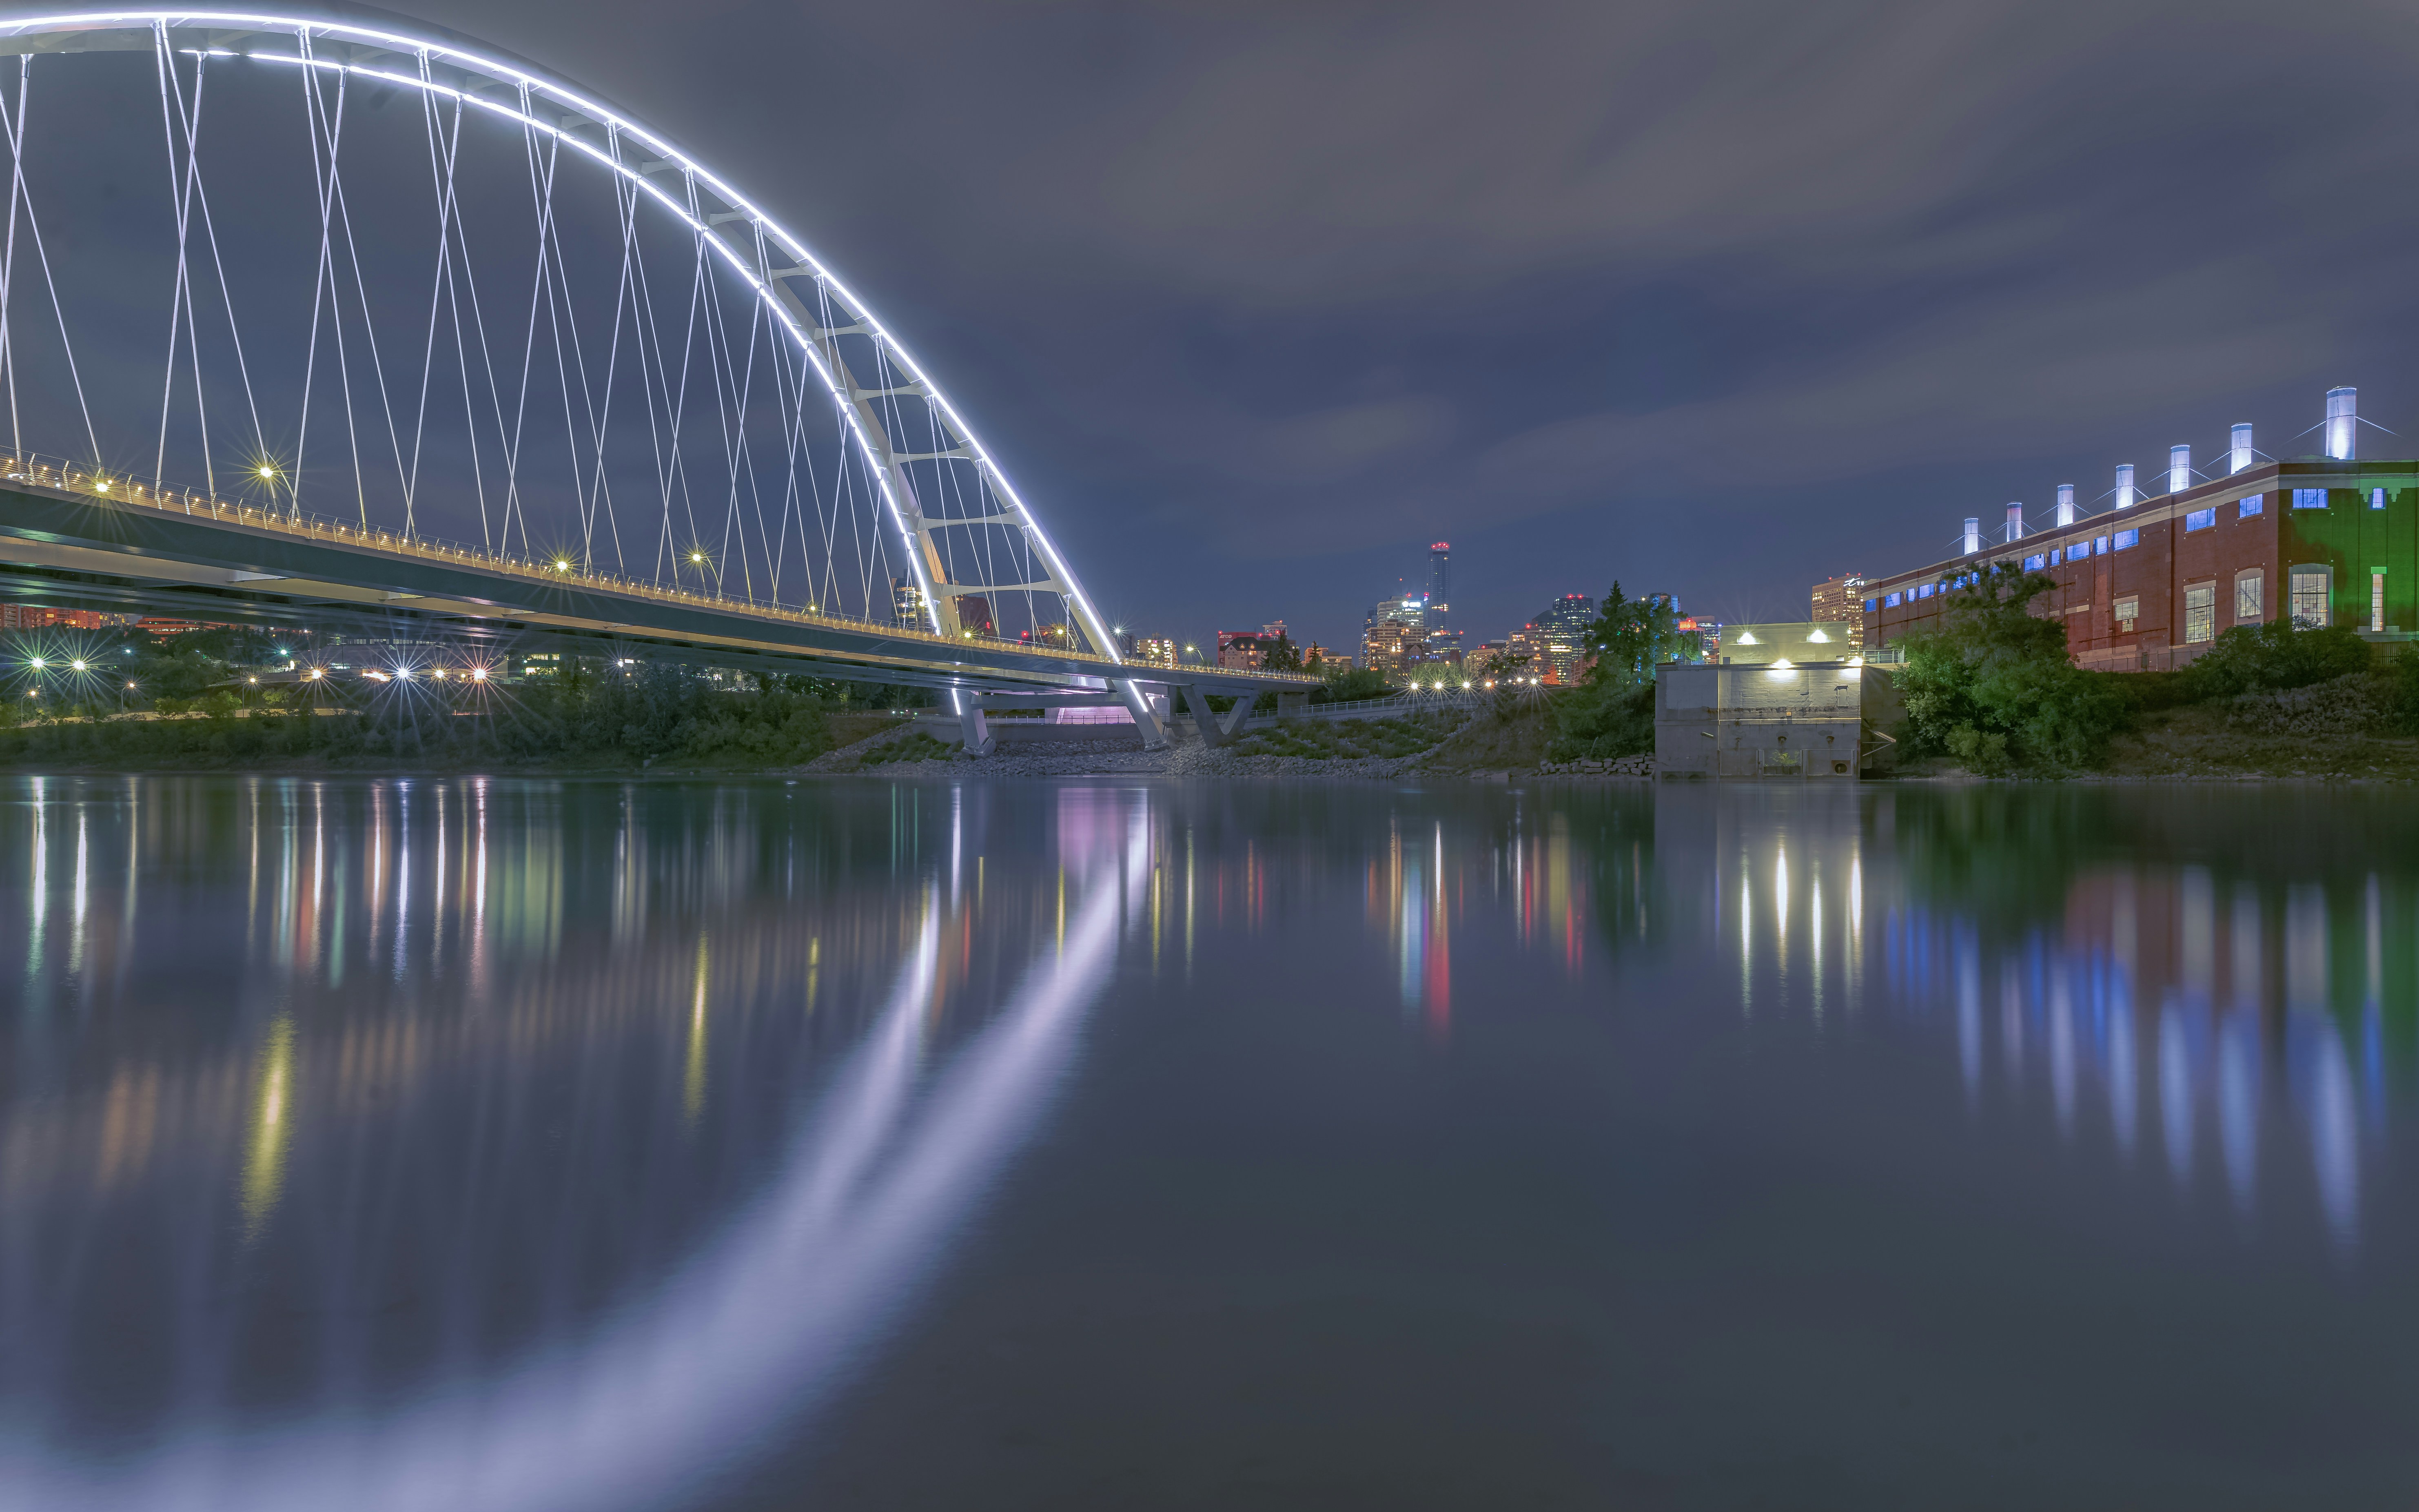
{"x":2331,"y":541}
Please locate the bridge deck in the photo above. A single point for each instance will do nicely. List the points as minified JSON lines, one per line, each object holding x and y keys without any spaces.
{"x":212,"y":559}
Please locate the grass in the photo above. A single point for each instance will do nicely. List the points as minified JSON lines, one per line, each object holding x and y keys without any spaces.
{"x":1511,"y":737}
{"x":1322,"y":740}
{"x":918,"y":746}
{"x":2203,"y":740}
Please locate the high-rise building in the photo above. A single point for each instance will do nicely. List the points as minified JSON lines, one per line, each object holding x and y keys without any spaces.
{"x":1526,"y":648}
{"x":1409,"y":609}
{"x":1842,"y":599}
{"x":1440,"y":594}
{"x":907,"y":605}
{"x":1391,"y":647}
{"x":974,"y":613}
{"x":1563,"y":629}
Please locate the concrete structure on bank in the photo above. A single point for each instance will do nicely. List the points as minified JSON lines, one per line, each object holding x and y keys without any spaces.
{"x":1812,"y":721}
{"x":1770,"y":709}
{"x":2146,"y":586}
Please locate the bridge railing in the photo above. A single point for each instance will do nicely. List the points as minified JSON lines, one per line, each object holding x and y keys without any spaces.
{"x":60,"y":475}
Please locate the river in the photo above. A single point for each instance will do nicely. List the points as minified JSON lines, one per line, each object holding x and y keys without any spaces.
{"x":498,"y":1144}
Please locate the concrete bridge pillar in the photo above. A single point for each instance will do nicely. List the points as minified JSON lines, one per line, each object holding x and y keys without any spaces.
{"x":1137,"y":698}
{"x":1293,"y":705}
{"x":972,"y":726}
{"x":1216,"y":729}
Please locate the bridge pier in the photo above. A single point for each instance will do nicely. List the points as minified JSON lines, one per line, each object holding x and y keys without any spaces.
{"x":1145,"y":718}
{"x":972,"y":726}
{"x":1292,"y":705}
{"x":1216,"y":729}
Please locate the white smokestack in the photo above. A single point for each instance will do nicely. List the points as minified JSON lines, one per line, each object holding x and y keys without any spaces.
{"x":2125,"y":486}
{"x":2238,"y":458}
{"x":2015,"y":522}
{"x":2343,"y":423}
{"x":2179,"y":469}
{"x":1973,"y":533}
{"x":2066,"y":503}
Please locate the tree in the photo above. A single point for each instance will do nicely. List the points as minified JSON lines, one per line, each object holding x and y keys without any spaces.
{"x":1500,"y":665}
{"x":1994,"y":685}
{"x":1279,"y":656}
{"x":1631,"y":635}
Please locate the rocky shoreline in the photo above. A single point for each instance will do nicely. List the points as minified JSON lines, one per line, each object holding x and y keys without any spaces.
{"x":1121,"y":755}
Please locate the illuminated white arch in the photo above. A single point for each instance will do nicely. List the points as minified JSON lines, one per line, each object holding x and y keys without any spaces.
{"x":107,"y":30}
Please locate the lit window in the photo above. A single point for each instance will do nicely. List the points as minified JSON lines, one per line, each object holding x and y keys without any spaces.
{"x":2036,"y":562}
{"x":2100,"y":545}
{"x":2250,"y":504}
{"x":2054,"y":556}
{"x":2309,"y":601}
{"x":1872,"y":604}
{"x":2377,"y":499}
{"x":1890,"y":601}
{"x":2128,"y":609}
{"x":1924,"y":591}
{"x":2199,"y":520}
{"x":2200,"y":612}
{"x":2127,"y":540}
{"x":2248,"y":608}
{"x":2309,"y":499}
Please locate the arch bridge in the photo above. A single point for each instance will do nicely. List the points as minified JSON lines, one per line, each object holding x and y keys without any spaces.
{"x":324,"y":314}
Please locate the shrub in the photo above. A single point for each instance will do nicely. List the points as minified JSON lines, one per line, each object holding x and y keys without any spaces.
{"x":1994,"y":685}
{"x":1603,"y":720}
{"x":2273,"y":656}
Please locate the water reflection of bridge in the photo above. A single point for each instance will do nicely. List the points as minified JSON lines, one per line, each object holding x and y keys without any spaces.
{"x":591,"y":1126}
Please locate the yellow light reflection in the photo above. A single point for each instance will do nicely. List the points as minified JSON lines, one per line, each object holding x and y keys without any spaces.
{"x":272,"y":1128}
{"x":693,"y":1074}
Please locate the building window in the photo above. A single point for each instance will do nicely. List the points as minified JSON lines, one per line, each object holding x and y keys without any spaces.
{"x":2309,"y":499}
{"x":2100,"y":545}
{"x":2036,"y":561}
{"x":2200,"y":612}
{"x":1873,"y":604}
{"x":1890,"y":601}
{"x":2249,"y":505}
{"x":2248,"y":608}
{"x":2309,"y":602}
{"x":2127,"y":540}
{"x":2054,"y":556}
{"x":2199,"y":520}
{"x":2377,"y":499}
{"x":1927,"y":590}
{"x":2377,"y":599}
{"x":2128,"y":609}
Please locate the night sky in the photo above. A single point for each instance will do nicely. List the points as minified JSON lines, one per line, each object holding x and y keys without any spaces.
{"x":1255,"y":300}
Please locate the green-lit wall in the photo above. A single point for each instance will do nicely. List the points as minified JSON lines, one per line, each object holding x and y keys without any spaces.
{"x":2355,"y":540}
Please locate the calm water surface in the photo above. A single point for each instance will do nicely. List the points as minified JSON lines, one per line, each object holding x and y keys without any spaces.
{"x":506,"y":1144}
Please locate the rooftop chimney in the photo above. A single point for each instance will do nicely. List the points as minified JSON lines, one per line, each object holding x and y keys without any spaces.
{"x":2125,"y":486}
{"x":1973,"y":534}
{"x":2343,"y":422}
{"x":2066,"y":503}
{"x":2238,"y":459}
{"x":2179,"y":469}
{"x":2015,"y":522}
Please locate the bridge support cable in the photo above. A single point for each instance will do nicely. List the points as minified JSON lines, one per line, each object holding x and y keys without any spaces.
{"x":190,"y":126}
{"x":600,"y":415}
{"x":444,"y":149}
{"x":313,"y":108}
{"x":181,"y":186}
{"x":19,"y":193}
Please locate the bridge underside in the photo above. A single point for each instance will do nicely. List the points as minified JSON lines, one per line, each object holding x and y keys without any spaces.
{"x":65,"y":549}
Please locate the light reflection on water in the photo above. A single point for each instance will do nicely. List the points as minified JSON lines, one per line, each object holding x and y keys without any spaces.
{"x":525,"y":1144}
